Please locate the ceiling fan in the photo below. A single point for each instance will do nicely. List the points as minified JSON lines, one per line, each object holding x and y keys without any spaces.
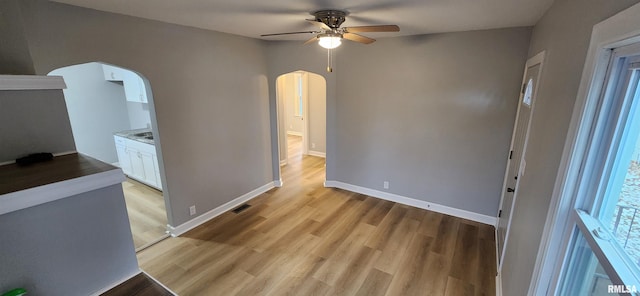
{"x":331,"y":34}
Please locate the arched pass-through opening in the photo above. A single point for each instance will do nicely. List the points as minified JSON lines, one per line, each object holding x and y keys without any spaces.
{"x":113,"y":120}
{"x":301,"y":118}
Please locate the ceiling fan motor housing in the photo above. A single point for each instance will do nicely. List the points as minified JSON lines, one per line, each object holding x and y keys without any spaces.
{"x":331,"y":18}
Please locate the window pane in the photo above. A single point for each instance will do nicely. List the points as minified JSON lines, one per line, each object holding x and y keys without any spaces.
{"x":585,"y":275}
{"x":621,"y":203}
{"x":625,"y":223}
{"x":528,"y":92}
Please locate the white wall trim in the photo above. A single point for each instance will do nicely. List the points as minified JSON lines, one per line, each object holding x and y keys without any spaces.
{"x":197,"y":221}
{"x":293,"y":133}
{"x":34,"y":196}
{"x":498,"y":273}
{"x":116,"y":283}
{"x":278,"y":183}
{"x":31,"y":82}
{"x":485,"y":219}
{"x":317,"y":153}
{"x":283,"y":162}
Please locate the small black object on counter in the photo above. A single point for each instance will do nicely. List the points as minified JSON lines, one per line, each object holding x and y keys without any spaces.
{"x":34,"y":158}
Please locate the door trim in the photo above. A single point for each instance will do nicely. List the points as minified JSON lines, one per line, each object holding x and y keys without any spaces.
{"x":305,"y":112}
{"x":535,"y":60}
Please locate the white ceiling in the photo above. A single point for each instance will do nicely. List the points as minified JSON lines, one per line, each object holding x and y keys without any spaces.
{"x":252,"y":18}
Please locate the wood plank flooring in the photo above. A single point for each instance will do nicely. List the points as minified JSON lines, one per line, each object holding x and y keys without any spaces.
{"x":304,"y":239}
{"x":147,"y":213}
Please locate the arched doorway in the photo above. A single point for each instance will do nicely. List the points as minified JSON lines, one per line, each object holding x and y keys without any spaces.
{"x":110,"y":111}
{"x":301,"y":113}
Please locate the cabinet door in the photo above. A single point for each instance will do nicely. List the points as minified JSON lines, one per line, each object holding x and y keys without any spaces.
{"x":137,"y":167}
{"x":132,"y":87}
{"x":123,"y":159}
{"x":149,"y":170}
{"x":143,"y":91}
{"x":112,"y":73}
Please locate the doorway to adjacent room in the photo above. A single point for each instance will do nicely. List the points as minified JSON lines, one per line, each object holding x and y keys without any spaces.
{"x":112,"y":120}
{"x":301,"y":101}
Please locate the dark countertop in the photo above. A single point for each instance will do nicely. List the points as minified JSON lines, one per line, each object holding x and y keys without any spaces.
{"x":15,"y":178}
{"x":131,"y":134}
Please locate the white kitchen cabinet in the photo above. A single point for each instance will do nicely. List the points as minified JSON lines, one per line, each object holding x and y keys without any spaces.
{"x":123,"y":158}
{"x":134,"y":89}
{"x":148,"y":167}
{"x":138,"y":161}
{"x":112,"y":73}
{"x":137,"y":167}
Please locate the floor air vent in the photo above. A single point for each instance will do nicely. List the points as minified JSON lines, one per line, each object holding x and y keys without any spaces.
{"x":241,"y":208}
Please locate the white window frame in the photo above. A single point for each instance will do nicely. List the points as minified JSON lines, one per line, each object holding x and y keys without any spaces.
{"x":619,"y":30}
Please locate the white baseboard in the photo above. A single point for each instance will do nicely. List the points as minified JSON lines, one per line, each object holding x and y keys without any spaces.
{"x":278,"y":183}
{"x":299,"y":134}
{"x":283,"y":162}
{"x":499,"y":285}
{"x":414,"y":202}
{"x":499,"y":272}
{"x":197,"y":221}
{"x":115,"y":284}
{"x":318,"y":154}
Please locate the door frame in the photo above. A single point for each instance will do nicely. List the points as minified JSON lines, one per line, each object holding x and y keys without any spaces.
{"x":156,"y":136}
{"x":535,"y":60}
{"x":304,"y":76}
{"x":281,"y":127}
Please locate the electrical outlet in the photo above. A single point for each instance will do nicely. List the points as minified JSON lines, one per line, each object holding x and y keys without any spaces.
{"x":385,"y":185}
{"x":192,"y":210}
{"x":313,"y":145}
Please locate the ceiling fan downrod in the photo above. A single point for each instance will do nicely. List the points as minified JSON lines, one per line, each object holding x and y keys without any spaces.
{"x":329,"y":68}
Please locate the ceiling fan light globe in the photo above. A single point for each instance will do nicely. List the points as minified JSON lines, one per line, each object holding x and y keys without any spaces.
{"x":329,"y":42}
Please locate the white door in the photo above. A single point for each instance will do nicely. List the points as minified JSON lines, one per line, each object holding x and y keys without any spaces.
{"x":516,"y":164}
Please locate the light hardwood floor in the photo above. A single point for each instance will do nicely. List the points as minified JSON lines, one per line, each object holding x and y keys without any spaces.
{"x":147,"y":214}
{"x":304,"y":239}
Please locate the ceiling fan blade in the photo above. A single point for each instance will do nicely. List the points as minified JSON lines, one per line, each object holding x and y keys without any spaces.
{"x":382,"y":28}
{"x":311,"y":40}
{"x":320,"y":25}
{"x":358,"y":38}
{"x":289,"y":33}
